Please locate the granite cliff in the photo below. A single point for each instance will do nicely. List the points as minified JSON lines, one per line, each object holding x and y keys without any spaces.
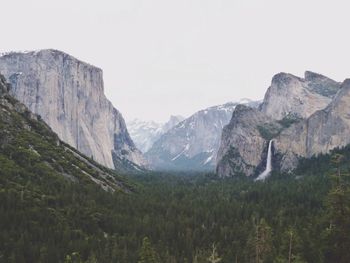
{"x":29,"y":148}
{"x":323,"y":131}
{"x":68,"y":94}
{"x":301,"y":115}
{"x":193,"y":143}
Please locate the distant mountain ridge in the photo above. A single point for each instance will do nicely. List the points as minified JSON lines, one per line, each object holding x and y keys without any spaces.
{"x":193,"y":143}
{"x":145,"y":133}
{"x":69,"y":96}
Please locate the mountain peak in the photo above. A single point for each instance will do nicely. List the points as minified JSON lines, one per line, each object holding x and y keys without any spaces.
{"x":283,"y":78}
{"x":145,"y":133}
{"x":346,"y":83}
{"x":46,"y":53}
{"x":69,"y":96}
{"x":193,"y":143}
{"x":311,"y":76}
{"x":291,"y":94}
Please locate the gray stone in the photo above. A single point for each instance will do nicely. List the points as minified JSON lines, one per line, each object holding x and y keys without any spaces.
{"x":291,"y":95}
{"x":304,"y":117}
{"x":145,"y":133}
{"x":193,"y":143}
{"x":323,"y":131}
{"x":242,"y":145}
{"x":69,"y":96}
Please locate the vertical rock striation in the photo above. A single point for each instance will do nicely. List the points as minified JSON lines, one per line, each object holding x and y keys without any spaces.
{"x":242,"y":145}
{"x":193,"y":143}
{"x":298,"y":113}
{"x":322,"y":132}
{"x":291,"y":95}
{"x":68,"y":94}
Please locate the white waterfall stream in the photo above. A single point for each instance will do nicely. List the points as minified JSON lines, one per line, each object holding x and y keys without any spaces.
{"x":268,"y":168}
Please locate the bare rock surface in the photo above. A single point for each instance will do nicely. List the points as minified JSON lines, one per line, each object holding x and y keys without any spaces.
{"x":68,"y":94}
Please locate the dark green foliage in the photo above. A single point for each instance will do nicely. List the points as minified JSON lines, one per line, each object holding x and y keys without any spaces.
{"x":269,"y":130}
{"x":235,"y":161}
{"x":147,"y":253}
{"x":47,"y":218}
{"x":338,"y":203}
{"x":52,"y":212}
{"x":288,"y":120}
{"x":182,"y":215}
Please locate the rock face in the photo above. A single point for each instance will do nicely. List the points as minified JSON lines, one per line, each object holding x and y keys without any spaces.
{"x":193,"y":143}
{"x":172,"y":122}
{"x":298,"y":114}
{"x":321,"y":132}
{"x":242,"y":146}
{"x":291,"y":95}
{"x":3,"y":85}
{"x":68,"y":94}
{"x":145,"y":133}
{"x":28,"y":144}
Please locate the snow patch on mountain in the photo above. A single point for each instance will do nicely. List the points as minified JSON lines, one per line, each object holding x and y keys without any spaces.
{"x":145,"y":133}
{"x":193,"y":143}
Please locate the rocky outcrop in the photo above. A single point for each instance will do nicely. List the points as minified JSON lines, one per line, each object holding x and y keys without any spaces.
{"x":320,"y":133}
{"x":193,"y":143}
{"x":172,"y":122}
{"x":29,"y":147}
{"x":145,"y":133}
{"x":291,"y":95}
{"x":321,"y":84}
{"x":68,"y":94}
{"x":3,"y":85}
{"x":298,"y":114}
{"x":242,"y":145}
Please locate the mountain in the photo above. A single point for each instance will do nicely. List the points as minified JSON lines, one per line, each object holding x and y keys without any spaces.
{"x":322,"y":132}
{"x":193,"y":143}
{"x":291,"y":95}
{"x":145,"y":133}
{"x":30,"y":150}
{"x":172,"y":122}
{"x":68,"y":94}
{"x":289,"y":105}
{"x":242,"y":145}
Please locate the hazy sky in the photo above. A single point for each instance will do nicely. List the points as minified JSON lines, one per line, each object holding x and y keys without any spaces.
{"x":163,"y":57}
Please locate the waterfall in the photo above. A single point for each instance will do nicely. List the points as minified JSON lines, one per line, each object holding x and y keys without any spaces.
{"x":268,"y":168}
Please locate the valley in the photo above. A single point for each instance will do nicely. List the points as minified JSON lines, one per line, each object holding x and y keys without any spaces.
{"x":174,"y":131}
{"x":246,"y":181}
{"x":182,"y":216}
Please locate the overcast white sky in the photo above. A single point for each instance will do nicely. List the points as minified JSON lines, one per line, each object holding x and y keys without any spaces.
{"x":163,"y":57}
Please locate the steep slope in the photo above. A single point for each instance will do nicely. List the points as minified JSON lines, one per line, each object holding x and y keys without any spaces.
{"x":145,"y":133}
{"x":291,"y":95}
{"x":322,"y":132}
{"x":69,"y":96}
{"x":242,"y":144}
{"x":287,"y":105}
{"x":193,"y":143}
{"x":28,"y":147}
{"x":172,"y":122}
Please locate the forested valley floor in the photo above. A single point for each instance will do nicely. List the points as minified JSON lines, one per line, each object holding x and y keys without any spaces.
{"x":300,"y":217}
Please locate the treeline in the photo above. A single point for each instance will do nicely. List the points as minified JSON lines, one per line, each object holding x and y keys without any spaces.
{"x":178,"y":218}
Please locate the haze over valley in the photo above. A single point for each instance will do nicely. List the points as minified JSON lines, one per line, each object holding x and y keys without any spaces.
{"x":174,"y":132}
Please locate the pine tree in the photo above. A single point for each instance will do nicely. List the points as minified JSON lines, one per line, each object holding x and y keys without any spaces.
{"x":338,"y":202}
{"x":260,"y":242}
{"x":92,"y":258}
{"x":147,"y":253}
{"x":214,"y":257}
